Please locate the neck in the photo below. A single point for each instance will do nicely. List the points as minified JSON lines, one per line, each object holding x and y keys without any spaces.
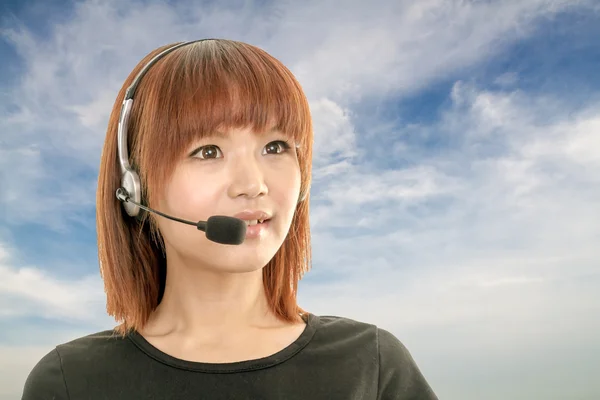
{"x":197,"y":300}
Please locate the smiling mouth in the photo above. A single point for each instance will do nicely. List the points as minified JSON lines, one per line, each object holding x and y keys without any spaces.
{"x":255,"y":221}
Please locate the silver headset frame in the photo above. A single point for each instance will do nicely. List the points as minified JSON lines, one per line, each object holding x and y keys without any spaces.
{"x":130,"y":180}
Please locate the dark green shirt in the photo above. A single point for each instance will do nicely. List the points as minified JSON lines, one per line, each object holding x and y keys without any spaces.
{"x":334,"y":358}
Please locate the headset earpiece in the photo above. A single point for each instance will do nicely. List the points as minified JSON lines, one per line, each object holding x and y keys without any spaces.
{"x":130,"y":181}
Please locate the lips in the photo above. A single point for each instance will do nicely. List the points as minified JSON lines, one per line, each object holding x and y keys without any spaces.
{"x":257,"y":222}
{"x":253,"y":217}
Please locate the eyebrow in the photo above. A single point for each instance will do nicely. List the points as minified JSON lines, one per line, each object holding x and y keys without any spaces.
{"x":225,"y":135}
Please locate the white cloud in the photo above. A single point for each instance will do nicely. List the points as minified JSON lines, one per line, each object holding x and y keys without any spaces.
{"x":32,"y":292}
{"x":449,"y":252}
{"x":400,"y":46}
{"x":507,"y":79}
{"x":336,"y":138}
{"x":68,"y":87}
{"x":40,"y":187}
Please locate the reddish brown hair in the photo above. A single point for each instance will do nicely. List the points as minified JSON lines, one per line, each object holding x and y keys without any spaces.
{"x":188,"y":94}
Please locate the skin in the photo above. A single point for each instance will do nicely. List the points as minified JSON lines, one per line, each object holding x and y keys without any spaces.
{"x":214,"y":303}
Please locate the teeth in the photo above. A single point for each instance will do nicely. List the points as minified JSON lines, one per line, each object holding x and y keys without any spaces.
{"x":254,"y":222}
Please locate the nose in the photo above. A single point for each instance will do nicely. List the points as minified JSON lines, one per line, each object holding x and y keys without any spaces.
{"x":247,"y":179}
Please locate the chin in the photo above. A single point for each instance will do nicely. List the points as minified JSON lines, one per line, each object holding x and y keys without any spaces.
{"x":236,"y":259}
{"x":247,"y":260}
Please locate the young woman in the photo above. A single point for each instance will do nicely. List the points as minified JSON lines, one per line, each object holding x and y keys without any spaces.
{"x":202,"y":129}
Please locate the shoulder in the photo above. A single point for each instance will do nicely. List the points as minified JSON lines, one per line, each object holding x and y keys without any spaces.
{"x":399,"y":375}
{"x":98,"y":341}
{"x":47,"y":379}
{"x":341,"y":323}
{"x":383,"y":340}
{"x":345,"y":334}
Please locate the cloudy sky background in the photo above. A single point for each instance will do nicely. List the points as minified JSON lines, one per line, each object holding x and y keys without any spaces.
{"x":456,"y":174}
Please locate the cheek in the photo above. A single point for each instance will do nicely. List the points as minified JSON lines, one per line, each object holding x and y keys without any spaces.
{"x":286,"y":186}
{"x":190,"y":196}
{"x":288,"y":201}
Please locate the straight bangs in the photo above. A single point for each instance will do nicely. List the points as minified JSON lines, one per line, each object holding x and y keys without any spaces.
{"x":208,"y":87}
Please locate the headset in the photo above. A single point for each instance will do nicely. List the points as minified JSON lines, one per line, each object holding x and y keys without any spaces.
{"x":130,"y":181}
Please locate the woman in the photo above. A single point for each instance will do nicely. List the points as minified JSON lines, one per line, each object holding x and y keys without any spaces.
{"x":214,"y":127}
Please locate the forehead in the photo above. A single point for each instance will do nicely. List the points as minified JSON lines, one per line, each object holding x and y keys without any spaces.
{"x":224,"y":132}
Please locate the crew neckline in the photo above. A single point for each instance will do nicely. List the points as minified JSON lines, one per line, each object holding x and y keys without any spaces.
{"x":232,"y":367}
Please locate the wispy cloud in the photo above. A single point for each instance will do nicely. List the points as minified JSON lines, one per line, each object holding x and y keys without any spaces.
{"x":445,"y":231}
{"x":33,"y":292}
{"x":67,"y":87}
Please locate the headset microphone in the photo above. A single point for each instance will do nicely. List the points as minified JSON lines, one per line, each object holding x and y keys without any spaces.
{"x":218,"y":228}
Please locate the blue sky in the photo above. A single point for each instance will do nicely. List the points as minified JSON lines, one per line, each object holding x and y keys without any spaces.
{"x":456,"y":185}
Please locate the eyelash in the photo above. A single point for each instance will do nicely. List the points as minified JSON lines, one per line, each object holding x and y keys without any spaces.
{"x":284,"y":145}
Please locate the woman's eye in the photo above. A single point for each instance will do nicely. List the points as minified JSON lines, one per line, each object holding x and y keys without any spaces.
{"x":276,"y":147}
{"x":211,"y":151}
{"x":208,"y":152}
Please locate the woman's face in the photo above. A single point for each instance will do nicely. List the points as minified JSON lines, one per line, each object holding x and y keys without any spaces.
{"x":236,"y":172}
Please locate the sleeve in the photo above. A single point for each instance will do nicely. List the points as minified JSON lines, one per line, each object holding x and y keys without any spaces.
{"x":46,"y":380}
{"x":399,"y":375}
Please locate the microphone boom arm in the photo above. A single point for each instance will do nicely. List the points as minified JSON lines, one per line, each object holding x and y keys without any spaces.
{"x":123,"y":196}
